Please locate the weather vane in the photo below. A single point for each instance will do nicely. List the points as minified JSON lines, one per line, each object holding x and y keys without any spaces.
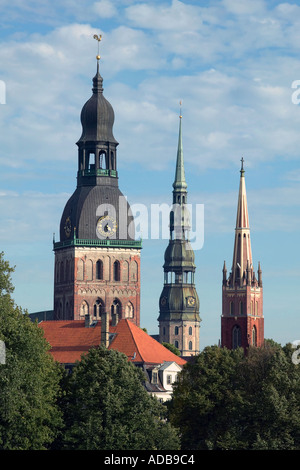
{"x":98,"y":38}
{"x":242,"y":160}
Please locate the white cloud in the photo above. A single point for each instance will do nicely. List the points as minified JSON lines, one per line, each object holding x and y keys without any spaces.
{"x":104,"y":9}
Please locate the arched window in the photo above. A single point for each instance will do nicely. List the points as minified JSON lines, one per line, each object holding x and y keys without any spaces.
{"x":84,"y":309}
{"x":116,"y":271}
{"x":254,"y":336}
{"x":236,"y":337}
{"x":116,"y":311}
{"x":190,"y":345}
{"x":102,"y":160}
{"x":129,"y":311}
{"x":99,"y":270}
{"x":190,"y":330}
{"x":176,"y":344}
{"x":99,"y":308}
{"x":91,"y":161}
{"x":176,"y":330}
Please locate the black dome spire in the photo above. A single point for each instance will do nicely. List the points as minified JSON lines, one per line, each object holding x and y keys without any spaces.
{"x":97,"y":115}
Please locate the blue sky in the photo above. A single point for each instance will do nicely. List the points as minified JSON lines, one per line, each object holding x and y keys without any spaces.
{"x":231,"y":62}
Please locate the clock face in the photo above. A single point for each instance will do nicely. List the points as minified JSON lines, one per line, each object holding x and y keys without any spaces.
{"x":106,"y":226}
{"x":68,"y":227}
{"x":191,"y":301}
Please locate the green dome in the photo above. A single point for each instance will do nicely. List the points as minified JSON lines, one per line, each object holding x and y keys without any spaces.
{"x":179,"y":255}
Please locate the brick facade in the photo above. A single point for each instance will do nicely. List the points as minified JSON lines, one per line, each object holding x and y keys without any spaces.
{"x":82,"y":288}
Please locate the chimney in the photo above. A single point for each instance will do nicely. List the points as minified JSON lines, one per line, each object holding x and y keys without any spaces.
{"x":105,"y":329}
{"x":87,"y":320}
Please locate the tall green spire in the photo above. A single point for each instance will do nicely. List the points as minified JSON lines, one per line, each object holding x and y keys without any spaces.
{"x":179,"y":184}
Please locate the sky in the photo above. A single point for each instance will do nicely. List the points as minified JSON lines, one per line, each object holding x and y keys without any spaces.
{"x":234,"y":65}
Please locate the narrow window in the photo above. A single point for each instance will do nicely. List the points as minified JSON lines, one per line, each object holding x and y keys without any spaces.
{"x":176,"y":330}
{"x":99,"y":270}
{"x":190,"y":330}
{"x":190,"y":345}
{"x":116,"y":271}
{"x":236,"y":337}
{"x":254,"y":336}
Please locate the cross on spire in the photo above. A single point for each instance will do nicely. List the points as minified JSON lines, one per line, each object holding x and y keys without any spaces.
{"x":242,"y":166}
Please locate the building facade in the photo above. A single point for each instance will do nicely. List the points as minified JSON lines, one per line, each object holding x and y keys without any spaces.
{"x":179,"y":320}
{"x":242,"y":321}
{"x":97,"y":259}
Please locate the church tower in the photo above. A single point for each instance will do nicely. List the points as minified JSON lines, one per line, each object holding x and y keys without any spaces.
{"x":179,"y":320}
{"x":242,"y":322}
{"x":97,"y":259}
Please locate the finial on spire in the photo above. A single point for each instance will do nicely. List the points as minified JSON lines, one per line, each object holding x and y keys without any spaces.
{"x":180,"y":115}
{"x":242,"y":166}
{"x":98,"y":38}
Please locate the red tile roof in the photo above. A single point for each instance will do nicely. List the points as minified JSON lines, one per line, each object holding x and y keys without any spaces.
{"x":70,"y":339}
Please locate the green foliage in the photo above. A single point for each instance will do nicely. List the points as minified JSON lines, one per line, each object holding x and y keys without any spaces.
{"x":172,"y":348}
{"x":29,"y":379}
{"x":107,"y":407}
{"x":228,"y":400}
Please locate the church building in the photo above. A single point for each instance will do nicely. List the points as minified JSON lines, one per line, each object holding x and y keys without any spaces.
{"x":179,"y":320}
{"x":242,"y":322}
{"x":97,"y":259}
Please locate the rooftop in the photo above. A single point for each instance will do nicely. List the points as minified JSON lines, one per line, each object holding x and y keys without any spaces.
{"x":69,"y":339}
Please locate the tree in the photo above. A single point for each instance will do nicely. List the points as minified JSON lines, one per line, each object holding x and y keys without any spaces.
{"x":107,"y":407}
{"x":29,"y":378}
{"x":202,"y":397}
{"x":172,"y":348}
{"x":270,"y":383}
{"x":231,"y":400}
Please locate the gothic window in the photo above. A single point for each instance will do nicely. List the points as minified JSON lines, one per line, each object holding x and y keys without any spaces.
{"x":98,"y":308}
{"x":89,"y":270}
{"x":80,"y":269}
{"x":116,"y":271}
{"x":254,"y":336}
{"x":236,"y":337}
{"x":176,"y":330}
{"x":190,"y":330}
{"x":116,"y":311}
{"x":190,"y":345}
{"x":84,"y":309}
{"x":99,"y":270}
{"x":129,"y":310}
{"x":176,"y":344}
